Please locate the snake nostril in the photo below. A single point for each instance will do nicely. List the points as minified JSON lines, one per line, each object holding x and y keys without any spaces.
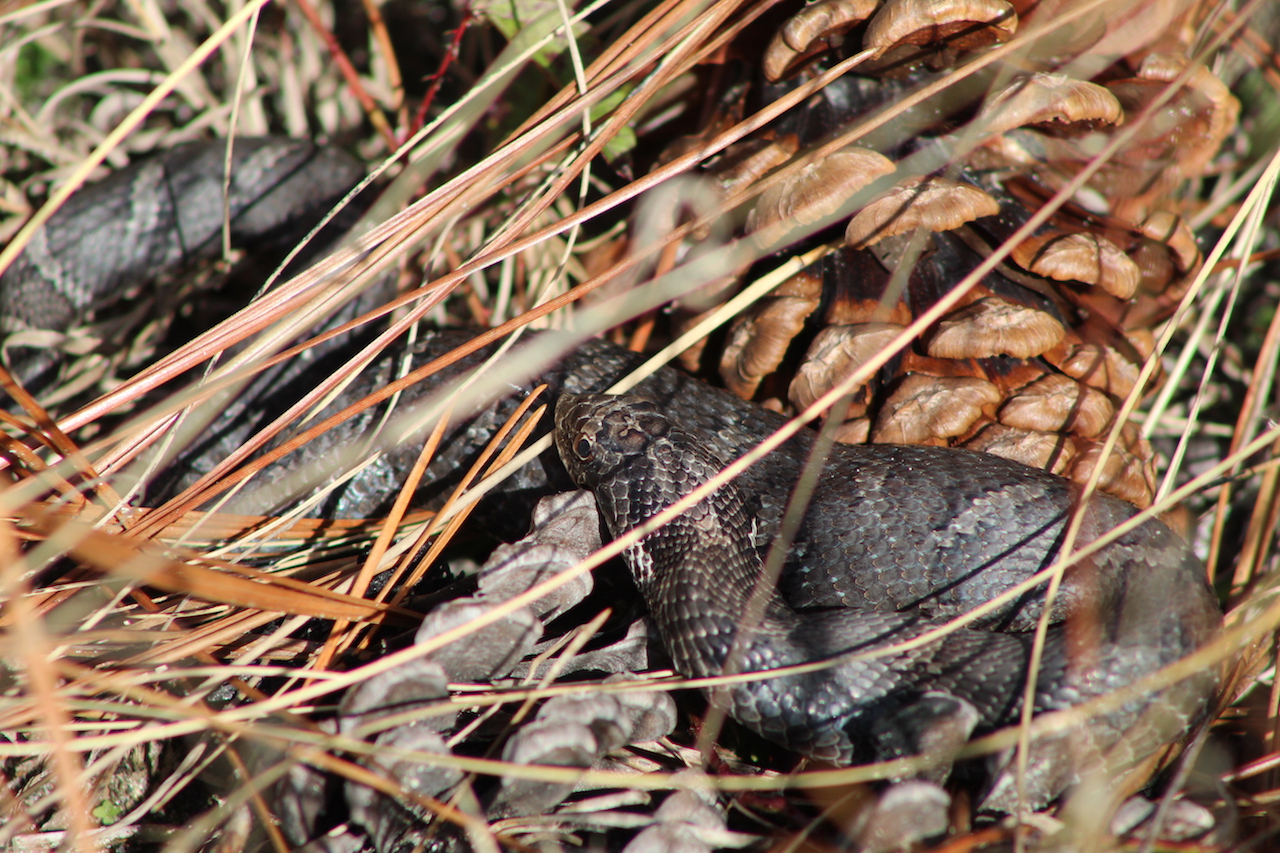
{"x":583,"y":448}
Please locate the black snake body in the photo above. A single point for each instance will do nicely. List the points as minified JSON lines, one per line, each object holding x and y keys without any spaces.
{"x":161,"y":214}
{"x":895,"y":539}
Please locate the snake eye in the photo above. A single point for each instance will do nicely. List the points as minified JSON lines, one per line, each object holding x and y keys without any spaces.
{"x":583,"y":448}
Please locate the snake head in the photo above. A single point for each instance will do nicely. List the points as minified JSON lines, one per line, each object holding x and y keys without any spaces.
{"x":597,"y":434}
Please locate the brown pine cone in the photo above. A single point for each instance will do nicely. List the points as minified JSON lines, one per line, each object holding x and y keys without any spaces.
{"x":1036,"y":359}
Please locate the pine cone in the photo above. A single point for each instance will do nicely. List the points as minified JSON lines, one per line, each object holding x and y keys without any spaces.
{"x":1034,"y":361}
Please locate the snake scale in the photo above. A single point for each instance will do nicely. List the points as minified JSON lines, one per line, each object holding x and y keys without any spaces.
{"x":894,"y":541}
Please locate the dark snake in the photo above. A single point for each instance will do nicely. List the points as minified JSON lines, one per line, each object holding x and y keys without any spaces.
{"x":894,"y":541}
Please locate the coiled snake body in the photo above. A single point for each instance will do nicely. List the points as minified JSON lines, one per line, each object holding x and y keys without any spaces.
{"x":895,"y":539}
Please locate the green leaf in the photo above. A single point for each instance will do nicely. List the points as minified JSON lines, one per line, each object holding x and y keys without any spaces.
{"x":530,"y":20}
{"x":108,"y":813}
{"x":625,"y":139}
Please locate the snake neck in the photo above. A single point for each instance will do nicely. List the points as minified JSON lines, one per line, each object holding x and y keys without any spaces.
{"x":699,"y":574}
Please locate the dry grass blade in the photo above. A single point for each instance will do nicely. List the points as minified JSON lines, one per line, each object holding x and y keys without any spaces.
{"x":124,"y":558}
